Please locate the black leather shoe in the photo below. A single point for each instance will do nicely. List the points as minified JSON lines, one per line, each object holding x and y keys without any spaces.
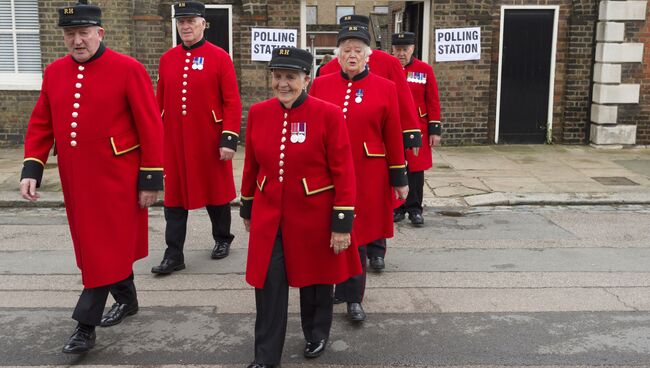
{"x":416,"y":219}
{"x":398,"y":216}
{"x":336,"y":300}
{"x":315,"y":349}
{"x":80,"y":342}
{"x":117,"y":313}
{"x":257,"y":365}
{"x":356,"y":313}
{"x":168,"y":266}
{"x":377,"y":263}
{"x":221,"y":250}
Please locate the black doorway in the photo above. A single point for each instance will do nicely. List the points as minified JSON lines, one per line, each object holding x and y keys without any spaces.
{"x":525,"y":75}
{"x":217,"y":29}
{"x":414,"y":13}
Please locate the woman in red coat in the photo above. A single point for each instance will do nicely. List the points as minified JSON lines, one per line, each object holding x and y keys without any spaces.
{"x":298,"y":172}
{"x":369,"y":104}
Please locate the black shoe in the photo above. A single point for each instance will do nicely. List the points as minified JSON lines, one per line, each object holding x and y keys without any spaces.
{"x":416,"y":219}
{"x":377,"y":263}
{"x":168,"y":266}
{"x":398,"y":216}
{"x":257,"y":365}
{"x":80,"y":342}
{"x":356,"y":313}
{"x":220,"y":250}
{"x":117,"y":313}
{"x":336,"y":300}
{"x":315,"y":349}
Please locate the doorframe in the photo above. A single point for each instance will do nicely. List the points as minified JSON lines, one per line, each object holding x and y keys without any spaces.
{"x":551,"y":91}
{"x":426,"y":26}
{"x":208,"y":6}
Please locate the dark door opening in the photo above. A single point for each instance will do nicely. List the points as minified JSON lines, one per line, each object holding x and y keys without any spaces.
{"x":217,"y":29}
{"x":414,"y":14}
{"x":525,"y":75}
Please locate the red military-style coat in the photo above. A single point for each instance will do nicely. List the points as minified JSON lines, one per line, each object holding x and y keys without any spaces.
{"x":201,"y":111}
{"x":369,"y":104}
{"x":424,"y":87}
{"x":108,"y":133}
{"x":298,"y":179}
{"x":385,"y":65}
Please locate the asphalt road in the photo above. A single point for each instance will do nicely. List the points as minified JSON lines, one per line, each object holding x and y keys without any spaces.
{"x":524,"y":286}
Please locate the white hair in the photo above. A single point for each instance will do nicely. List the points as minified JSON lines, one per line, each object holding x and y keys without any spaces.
{"x":366,"y":50}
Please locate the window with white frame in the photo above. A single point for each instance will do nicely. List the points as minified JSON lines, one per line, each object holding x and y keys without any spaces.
{"x":312,"y":14}
{"x":342,"y":11}
{"x":380,"y":9}
{"x":20,"y":47}
{"x":398,"y":22}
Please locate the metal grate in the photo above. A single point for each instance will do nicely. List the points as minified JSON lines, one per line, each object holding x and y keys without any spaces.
{"x":614,"y":180}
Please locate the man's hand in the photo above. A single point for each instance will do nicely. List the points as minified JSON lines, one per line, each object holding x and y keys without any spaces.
{"x":247,"y":224}
{"x":226,"y":153}
{"x":339,"y":242}
{"x":434,"y":140}
{"x":402,"y":192}
{"x":28,"y":189}
{"x":147,"y":198}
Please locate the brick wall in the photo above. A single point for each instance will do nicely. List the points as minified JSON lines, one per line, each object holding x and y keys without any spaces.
{"x":638,"y":114}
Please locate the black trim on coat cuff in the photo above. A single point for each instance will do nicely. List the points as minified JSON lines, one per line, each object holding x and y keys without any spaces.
{"x":229,"y":140}
{"x":435,"y":128}
{"x":398,"y":176}
{"x":342,"y":221}
{"x":150,"y":180}
{"x":412,"y":139}
{"x":32,"y":170}
{"x":246,"y":208}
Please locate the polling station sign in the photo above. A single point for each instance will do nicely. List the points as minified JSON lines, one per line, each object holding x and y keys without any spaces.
{"x":458,"y":44}
{"x":264,"y":40}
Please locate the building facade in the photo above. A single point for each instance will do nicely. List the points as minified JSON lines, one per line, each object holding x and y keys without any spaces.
{"x":561,"y":71}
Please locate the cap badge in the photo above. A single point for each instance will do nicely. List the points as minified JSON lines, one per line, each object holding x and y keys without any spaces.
{"x":284,"y":52}
{"x":298,"y":132}
{"x":68,"y":11}
{"x":197,"y":64}
{"x":181,"y":5}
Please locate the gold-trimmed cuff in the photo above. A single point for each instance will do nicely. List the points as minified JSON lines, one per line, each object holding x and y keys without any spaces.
{"x":246,"y":207}
{"x":412,"y":138}
{"x":150,"y":179}
{"x":398,"y":175}
{"x":434,"y":128}
{"x":342,"y":219}
{"x":33,"y":169}
{"x":229,"y":139}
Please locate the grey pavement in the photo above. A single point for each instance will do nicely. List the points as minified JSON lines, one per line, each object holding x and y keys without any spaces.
{"x":465,"y":176}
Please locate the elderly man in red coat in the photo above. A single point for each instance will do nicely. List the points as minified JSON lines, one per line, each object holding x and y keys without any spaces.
{"x":99,"y":107}
{"x":424,"y":88}
{"x":201,"y":111}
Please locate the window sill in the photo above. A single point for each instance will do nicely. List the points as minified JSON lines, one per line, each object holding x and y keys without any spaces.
{"x":20,"y":82}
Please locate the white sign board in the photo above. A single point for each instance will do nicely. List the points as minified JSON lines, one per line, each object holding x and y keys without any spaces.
{"x":264,"y":40}
{"x":457,"y":44}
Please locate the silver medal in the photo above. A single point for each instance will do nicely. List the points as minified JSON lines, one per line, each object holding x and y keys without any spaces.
{"x":358,"y":100}
{"x":301,"y":138}
{"x":294,"y":138}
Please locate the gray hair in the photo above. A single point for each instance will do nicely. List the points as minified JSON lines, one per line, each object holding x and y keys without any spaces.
{"x":366,"y":50}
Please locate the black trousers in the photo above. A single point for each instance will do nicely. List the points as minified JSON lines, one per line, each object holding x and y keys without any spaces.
{"x":413,"y":202}
{"x":176,"y":228}
{"x":272,"y":302}
{"x":376,"y":248}
{"x":90,"y":306}
{"x":353,"y":289}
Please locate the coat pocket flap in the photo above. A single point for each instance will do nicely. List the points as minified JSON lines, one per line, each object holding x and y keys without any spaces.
{"x":261,"y":180}
{"x":374,"y":149}
{"x":217,"y":115}
{"x":422,"y":112}
{"x":317,"y":185}
{"x":124,"y":142}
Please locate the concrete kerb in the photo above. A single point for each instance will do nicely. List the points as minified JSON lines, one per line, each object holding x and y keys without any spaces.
{"x":55,"y":199}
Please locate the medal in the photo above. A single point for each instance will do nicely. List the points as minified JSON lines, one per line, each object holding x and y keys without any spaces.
{"x":359,"y":95}
{"x":197,"y":63}
{"x":298,"y":132}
